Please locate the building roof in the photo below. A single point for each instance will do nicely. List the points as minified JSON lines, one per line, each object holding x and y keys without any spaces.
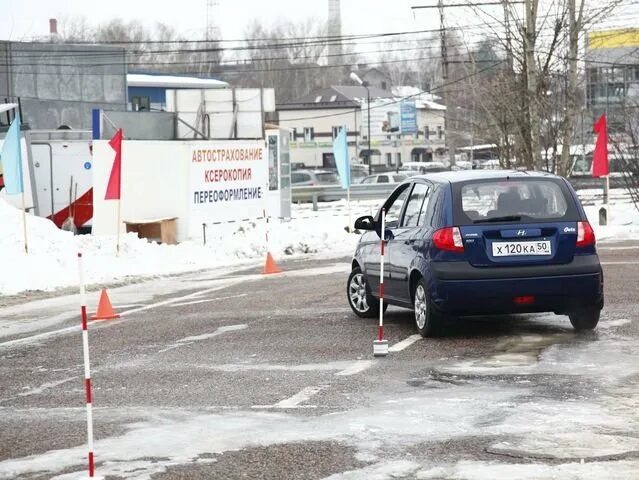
{"x":352,"y":96}
{"x":171,"y":81}
{"x":337,"y":96}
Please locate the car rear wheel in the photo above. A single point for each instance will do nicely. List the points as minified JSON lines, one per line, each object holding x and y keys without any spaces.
{"x":360,"y":297}
{"x":426,"y":320}
{"x":585,"y":318}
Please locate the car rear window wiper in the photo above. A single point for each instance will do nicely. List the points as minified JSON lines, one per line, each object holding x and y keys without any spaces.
{"x":506,"y":218}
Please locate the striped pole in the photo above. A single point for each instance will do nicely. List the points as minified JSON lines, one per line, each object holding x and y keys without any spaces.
{"x":87,"y":371}
{"x":267,"y":227}
{"x":380,"y":330}
{"x":380,"y":346}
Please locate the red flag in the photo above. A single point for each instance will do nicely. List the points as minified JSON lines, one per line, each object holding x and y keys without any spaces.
{"x":113,"y":187}
{"x":600,"y":156}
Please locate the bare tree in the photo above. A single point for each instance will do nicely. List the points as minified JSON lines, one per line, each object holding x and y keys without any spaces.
{"x":291,"y":57}
{"x":159,"y":48}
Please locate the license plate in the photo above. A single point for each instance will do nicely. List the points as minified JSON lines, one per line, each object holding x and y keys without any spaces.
{"x":511,"y":249}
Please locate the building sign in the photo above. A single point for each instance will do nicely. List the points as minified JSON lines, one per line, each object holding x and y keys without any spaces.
{"x":627,"y":37}
{"x":408,"y":114}
{"x":390,"y":117}
{"x":273,"y":157}
{"x":228,"y":181}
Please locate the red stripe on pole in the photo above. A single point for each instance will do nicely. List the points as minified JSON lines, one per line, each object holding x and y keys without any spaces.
{"x":91,"y":466}
{"x":83,"y":309}
{"x":87,"y":387}
{"x":380,"y":332}
{"x":381,"y":290}
{"x":383,"y":247}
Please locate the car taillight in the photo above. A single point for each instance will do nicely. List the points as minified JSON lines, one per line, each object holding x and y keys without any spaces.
{"x":524,"y":300}
{"x":449,"y":239}
{"x":585,"y":234}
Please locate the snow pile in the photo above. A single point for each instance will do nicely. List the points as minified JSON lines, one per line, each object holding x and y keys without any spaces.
{"x":52,"y":258}
{"x":623,"y":221}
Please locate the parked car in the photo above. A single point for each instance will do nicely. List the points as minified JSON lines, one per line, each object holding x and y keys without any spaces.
{"x":358,"y":172}
{"x":389,"y":177}
{"x":315,"y":178}
{"x":424,"y":167}
{"x":480,"y":242}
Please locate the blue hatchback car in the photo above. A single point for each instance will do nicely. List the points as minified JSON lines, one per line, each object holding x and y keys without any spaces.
{"x":480,"y":242}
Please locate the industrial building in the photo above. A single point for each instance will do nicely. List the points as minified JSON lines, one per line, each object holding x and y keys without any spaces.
{"x":59,"y":84}
{"x":612,"y":75}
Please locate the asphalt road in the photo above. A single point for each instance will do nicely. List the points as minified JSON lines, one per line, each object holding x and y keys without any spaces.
{"x":233,"y":375}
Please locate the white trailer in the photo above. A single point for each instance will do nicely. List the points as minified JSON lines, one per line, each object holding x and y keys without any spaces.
{"x":62,"y":164}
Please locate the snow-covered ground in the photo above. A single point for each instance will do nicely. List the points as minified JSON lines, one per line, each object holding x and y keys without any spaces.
{"x":52,"y":259}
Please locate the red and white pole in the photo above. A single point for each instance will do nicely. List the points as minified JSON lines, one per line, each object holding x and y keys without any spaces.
{"x":87,"y":371}
{"x":380,"y":346}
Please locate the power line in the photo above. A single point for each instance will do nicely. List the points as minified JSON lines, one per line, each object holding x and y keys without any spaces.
{"x":291,"y":67}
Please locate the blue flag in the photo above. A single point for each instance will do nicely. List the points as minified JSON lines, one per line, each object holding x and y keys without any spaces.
{"x":342,"y":161}
{"x":11,"y":158}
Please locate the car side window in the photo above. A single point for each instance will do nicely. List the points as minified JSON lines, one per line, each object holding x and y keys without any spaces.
{"x":415,"y":206}
{"x":368,"y":180}
{"x":382,"y":179}
{"x":394,"y":210}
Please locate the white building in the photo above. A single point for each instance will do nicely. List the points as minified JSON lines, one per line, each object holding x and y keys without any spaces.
{"x":314,"y":120}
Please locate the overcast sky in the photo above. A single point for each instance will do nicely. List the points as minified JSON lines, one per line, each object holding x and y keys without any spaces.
{"x":26,"y":19}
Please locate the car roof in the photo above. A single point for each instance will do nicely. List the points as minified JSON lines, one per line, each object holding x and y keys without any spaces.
{"x":312,"y":170}
{"x":469,"y":175}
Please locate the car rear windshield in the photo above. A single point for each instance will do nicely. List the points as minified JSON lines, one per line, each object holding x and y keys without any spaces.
{"x":512,"y":201}
{"x":327,"y":178}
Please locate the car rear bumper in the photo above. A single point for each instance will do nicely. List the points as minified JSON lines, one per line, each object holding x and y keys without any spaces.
{"x":560,"y":289}
{"x":580,"y":265}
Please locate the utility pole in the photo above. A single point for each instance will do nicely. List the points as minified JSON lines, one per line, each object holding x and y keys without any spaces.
{"x":450,"y":138}
{"x":531,"y":77}
{"x":574,"y":27}
{"x":509,"y":41}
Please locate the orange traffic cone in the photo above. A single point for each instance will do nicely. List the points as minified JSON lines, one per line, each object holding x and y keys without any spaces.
{"x":105,"y":310}
{"x":270,"y":266}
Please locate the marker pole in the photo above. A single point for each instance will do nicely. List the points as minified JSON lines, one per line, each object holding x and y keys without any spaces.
{"x":380,"y":346}
{"x":87,"y":371}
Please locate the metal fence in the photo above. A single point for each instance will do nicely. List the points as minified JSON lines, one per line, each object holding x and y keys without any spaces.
{"x":321,"y":193}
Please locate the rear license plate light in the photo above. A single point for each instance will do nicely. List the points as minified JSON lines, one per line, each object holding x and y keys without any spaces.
{"x":525,"y":300}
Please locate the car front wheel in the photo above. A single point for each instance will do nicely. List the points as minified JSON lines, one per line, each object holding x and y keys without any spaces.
{"x":585,"y":318}
{"x":360,"y":297}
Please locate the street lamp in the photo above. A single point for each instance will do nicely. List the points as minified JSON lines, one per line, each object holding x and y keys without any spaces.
{"x":356,"y":79}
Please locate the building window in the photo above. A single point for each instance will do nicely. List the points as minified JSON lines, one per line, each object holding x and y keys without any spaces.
{"x":383,"y":85}
{"x":440,"y":132}
{"x":140,"y":103}
{"x":293,"y":134}
{"x":335,"y":132}
{"x":309,"y":134}
{"x":398,"y":158}
{"x":389,"y":159}
{"x":426,"y":133}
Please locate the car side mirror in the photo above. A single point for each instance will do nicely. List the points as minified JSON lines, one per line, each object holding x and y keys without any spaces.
{"x":365,"y":223}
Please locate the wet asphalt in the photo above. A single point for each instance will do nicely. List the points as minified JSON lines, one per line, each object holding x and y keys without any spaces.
{"x":237,"y":375}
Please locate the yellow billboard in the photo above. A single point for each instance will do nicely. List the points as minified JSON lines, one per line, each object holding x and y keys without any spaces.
{"x":627,"y":37}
